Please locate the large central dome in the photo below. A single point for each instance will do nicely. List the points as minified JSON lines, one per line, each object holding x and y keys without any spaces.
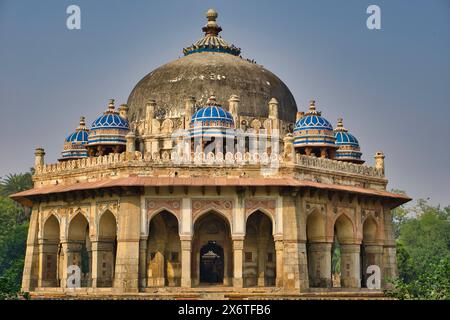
{"x":212,"y":67}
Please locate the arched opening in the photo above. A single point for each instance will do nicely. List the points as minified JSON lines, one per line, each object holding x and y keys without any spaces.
{"x":345,"y":255}
{"x":370,"y":252}
{"x":211,"y":263}
{"x":50,"y":250}
{"x":164,"y":251}
{"x":212,"y":230}
{"x":318,"y":251}
{"x":106,"y":250}
{"x":80,"y":250}
{"x":259,"y":251}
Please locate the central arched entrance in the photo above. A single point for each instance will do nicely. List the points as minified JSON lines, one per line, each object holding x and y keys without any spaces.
{"x":212,"y":256}
{"x":211,"y":263}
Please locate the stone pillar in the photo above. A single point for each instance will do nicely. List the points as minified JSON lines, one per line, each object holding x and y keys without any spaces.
{"x":127,"y":257}
{"x":131,"y":146}
{"x":72,"y":256}
{"x":143,"y":263}
{"x":39,"y":158}
{"x":65,"y":264}
{"x":123,"y":111}
{"x":96,"y":264}
{"x":379,"y":161}
{"x":189,"y":105}
{"x":233,"y":108}
{"x":373,"y":255}
{"x":262,"y":254}
{"x":41,"y":263}
{"x":279,"y":262}
{"x":389,"y":268}
{"x":186,"y":251}
{"x":319,"y":265}
{"x":30,"y":268}
{"x":273,"y":113}
{"x":350,"y":266}
{"x":48,"y":262}
{"x":102,"y":263}
{"x":238,"y":247}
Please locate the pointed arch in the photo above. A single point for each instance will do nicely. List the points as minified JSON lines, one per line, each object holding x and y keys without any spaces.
{"x":80,"y":252}
{"x":77,"y":227}
{"x":212,"y":228}
{"x":315,"y":227}
{"x":106,"y":250}
{"x":107,"y":226}
{"x":163,"y":250}
{"x":50,"y":252}
{"x":264,"y":211}
{"x":259,"y":265}
{"x":344,"y":229}
{"x":318,"y":250}
{"x":212,"y":210}
{"x":51,"y":228}
{"x":370,"y":230}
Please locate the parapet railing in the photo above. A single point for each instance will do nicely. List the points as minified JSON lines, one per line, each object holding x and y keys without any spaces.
{"x":211,"y":159}
{"x":335,"y":165}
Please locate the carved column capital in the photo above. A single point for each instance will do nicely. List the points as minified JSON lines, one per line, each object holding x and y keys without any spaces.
{"x":238,"y":244}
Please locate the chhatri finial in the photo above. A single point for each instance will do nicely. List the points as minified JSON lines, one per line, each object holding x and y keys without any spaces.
{"x":340,"y":126}
{"x":82,"y":125}
{"x":312,"y":108}
{"x":211,"y":28}
{"x":111,"y":105}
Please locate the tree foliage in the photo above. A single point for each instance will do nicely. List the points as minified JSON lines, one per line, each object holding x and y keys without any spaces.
{"x":423,"y":252}
{"x":13,"y":234}
{"x":14,"y":183}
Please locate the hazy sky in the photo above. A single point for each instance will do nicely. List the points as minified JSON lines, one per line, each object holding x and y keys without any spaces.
{"x":391,"y":86}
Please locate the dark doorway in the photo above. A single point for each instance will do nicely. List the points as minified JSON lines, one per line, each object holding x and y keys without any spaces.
{"x":211,"y":263}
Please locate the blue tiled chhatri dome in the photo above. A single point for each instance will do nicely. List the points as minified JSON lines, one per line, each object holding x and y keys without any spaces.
{"x":75,"y":144}
{"x":314,"y":131}
{"x":108,"y":130}
{"x":212,"y":120}
{"x":348,"y":145}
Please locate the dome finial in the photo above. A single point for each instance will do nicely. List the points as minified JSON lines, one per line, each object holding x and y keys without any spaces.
{"x":82,"y":125}
{"x":211,"y":100}
{"x":340,"y":125}
{"x":211,"y":41}
{"x":211,"y":27}
{"x":111,"y":105}
{"x":312,"y":108}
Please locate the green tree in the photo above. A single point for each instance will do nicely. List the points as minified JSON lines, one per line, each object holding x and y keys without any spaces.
{"x":9,"y":214}
{"x":13,"y":233}
{"x":12,"y":253}
{"x":399,"y":215}
{"x":423,"y":253}
{"x":433,"y":284}
{"x":14,"y":183}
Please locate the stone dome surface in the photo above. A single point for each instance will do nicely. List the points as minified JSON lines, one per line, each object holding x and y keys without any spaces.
{"x":207,"y":69}
{"x":203,"y":74}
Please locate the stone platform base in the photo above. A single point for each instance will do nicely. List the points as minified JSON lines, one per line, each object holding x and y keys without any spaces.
{"x":206,"y":293}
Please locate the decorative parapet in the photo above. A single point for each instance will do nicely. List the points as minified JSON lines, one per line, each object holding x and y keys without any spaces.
{"x":209,"y":159}
{"x":335,"y":165}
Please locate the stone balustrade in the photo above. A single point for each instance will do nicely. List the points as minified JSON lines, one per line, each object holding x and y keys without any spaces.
{"x":210,"y":159}
{"x":335,"y":165}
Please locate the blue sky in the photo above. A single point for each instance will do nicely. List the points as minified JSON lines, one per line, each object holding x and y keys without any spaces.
{"x":391,"y":86}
